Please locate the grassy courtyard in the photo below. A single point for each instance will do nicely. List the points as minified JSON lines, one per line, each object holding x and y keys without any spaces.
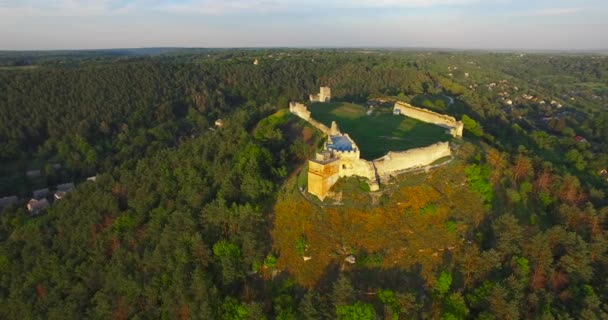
{"x":380,"y":132}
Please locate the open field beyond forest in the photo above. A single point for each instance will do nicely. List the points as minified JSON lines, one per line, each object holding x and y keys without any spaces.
{"x":380,"y":132}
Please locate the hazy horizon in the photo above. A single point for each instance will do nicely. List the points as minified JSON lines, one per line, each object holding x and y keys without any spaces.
{"x":494,"y":25}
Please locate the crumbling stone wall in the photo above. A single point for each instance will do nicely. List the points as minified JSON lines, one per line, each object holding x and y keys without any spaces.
{"x":394,"y":162}
{"x":429,"y":116}
{"x":301,"y":111}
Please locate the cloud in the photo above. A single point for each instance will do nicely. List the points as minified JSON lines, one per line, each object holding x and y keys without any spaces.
{"x":65,"y":8}
{"x":404,"y":3}
{"x":217,"y":7}
{"x":552,"y":12}
{"x":205,"y":7}
{"x":86,"y":8}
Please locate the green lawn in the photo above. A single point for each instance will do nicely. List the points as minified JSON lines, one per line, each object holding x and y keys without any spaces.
{"x":379,"y":133}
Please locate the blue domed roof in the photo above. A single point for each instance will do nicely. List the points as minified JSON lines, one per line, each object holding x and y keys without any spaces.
{"x":340,"y":143}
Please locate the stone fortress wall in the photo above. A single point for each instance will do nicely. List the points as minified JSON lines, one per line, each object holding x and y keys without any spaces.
{"x":394,"y":162}
{"x":300,"y":110}
{"x":429,"y":116}
{"x":322,"y":169}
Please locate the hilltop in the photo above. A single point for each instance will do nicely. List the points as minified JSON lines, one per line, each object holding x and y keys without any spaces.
{"x":380,"y":131}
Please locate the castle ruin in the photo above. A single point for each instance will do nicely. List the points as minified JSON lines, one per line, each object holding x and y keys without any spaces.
{"x":324,"y":95}
{"x":322,"y":173}
{"x":455,"y":127}
{"x":341,"y":156}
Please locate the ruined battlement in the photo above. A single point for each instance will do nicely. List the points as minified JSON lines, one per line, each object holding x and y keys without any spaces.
{"x":346,"y":153}
{"x":398,"y":161}
{"x":299,"y":109}
{"x":448,"y":122}
{"x":324,"y":95}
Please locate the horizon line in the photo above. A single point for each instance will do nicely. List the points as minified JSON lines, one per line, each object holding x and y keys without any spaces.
{"x":429,"y":48}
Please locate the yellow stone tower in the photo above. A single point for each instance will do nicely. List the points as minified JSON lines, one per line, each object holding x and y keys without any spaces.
{"x":323,"y":173}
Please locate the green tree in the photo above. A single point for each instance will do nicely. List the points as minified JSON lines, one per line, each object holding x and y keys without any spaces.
{"x":310,"y":306}
{"x":391,"y":305}
{"x":357,"y":311}
{"x":233,"y":310}
{"x":472,"y":126}
{"x":343,"y":292}
{"x":478,"y":178}
{"x":443,"y":284}
{"x":576,"y":159}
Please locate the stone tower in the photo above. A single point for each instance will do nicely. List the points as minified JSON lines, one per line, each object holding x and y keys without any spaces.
{"x":334,"y":131}
{"x":325,"y":94}
{"x":323,"y":173}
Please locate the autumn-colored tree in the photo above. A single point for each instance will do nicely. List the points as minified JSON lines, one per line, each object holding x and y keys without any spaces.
{"x":570,"y":190}
{"x":475,"y":265}
{"x":543,"y":181}
{"x":498,"y":163}
{"x":522,"y":168}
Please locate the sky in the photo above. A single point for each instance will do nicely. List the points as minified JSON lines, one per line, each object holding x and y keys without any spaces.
{"x":459,"y":24}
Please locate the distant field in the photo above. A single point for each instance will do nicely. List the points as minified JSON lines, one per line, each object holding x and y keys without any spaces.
{"x":379,"y":133}
{"x":17,"y":67}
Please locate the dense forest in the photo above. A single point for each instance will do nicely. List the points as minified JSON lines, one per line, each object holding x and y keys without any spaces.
{"x":192,"y":220}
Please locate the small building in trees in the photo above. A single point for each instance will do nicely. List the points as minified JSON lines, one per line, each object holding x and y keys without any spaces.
{"x":35,"y":206}
{"x":59,"y":195}
{"x":66,"y":187}
{"x":219,"y":123}
{"x":33,"y":173}
{"x":350,"y":259}
{"x":6,"y":202}
{"x":41,"y":193}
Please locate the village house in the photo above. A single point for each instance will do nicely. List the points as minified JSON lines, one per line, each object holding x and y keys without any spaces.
{"x":35,"y":206}
{"x":66,"y":187}
{"x":63,"y":189}
{"x":33,"y":173}
{"x":59,"y":195}
{"x":6,"y":202}
{"x":219,"y":123}
{"x":41,"y":193}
